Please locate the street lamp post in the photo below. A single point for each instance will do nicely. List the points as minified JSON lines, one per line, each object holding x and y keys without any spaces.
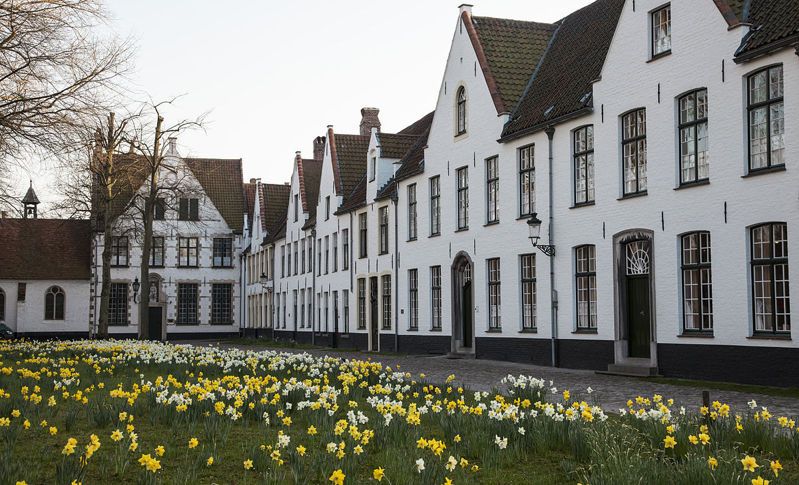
{"x":136,"y":286}
{"x":534,"y":224}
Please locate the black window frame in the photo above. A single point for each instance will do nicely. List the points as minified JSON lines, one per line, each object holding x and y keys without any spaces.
{"x":296,"y":207}
{"x":529,"y":288}
{"x":635,"y":141}
{"x":413,"y":227}
{"x":222,"y":251}
{"x":327,"y":254}
{"x":771,"y":262}
{"x":696,"y":271}
{"x":587,"y":274}
{"x":768,"y":103}
{"x":221,"y":304}
{"x":345,"y":295}
{"x":694,"y":126}
{"x":385,"y":304}
{"x":413,"y":299}
{"x":117,"y":255}
{"x":187,"y":302}
{"x":462,"y":198}
{"x":435,"y":298}
{"x":363,"y":233}
{"x":54,"y":303}
{"x":382,"y":217}
{"x":334,"y":237}
{"x":653,"y":29}
{"x":583,"y":154}
{"x":118,"y":305}
{"x":460,"y":111}
{"x":526,"y":180}
{"x":494,"y":287}
{"x":492,"y":190}
{"x":435,"y":206}
{"x":296,"y":246}
{"x":159,"y":212}
{"x":345,"y":249}
{"x":327,"y":207}
{"x":186,"y":262}
{"x":361,"y":303}
{"x":157,"y":252}
{"x":189,"y":209}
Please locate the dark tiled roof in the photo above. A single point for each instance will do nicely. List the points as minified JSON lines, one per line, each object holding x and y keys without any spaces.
{"x":310,"y":172}
{"x":731,"y":10}
{"x":275,"y":204}
{"x":221,"y":181}
{"x":775,"y":25}
{"x":279,"y":233}
{"x":30,"y":196}
{"x":562,"y":85}
{"x":395,"y":145}
{"x":508,"y":52}
{"x":45,"y":249}
{"x":351,"y":153}
{"x":249,"y":201}
{"x":355,"y":199}
{"x":419,"y":126}
{"x":412,"y":162}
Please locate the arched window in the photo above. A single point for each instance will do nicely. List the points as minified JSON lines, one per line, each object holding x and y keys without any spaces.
{"x":2,"y":305}
{"x":54,"y":304}
{"x":461,"y":97}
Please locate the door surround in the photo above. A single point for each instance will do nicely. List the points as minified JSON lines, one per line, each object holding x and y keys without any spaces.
{"x":462,"y":272}
{"x":621,"y":324}
{"x":157,"y":299}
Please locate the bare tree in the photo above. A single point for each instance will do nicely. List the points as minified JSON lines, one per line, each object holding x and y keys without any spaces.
{"x":55,"y":69}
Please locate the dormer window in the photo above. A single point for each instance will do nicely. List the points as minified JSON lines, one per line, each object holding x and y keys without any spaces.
{"x":461,"y":110}
{"x":661,"y":31}
{"x":296,"y":207}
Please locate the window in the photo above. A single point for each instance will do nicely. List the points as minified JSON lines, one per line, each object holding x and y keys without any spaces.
{"x":463,"y":198}
{"x":346,"y":296}
{"x":188,"y":251}
{"x":283,"y":306}
{"x":583,"y":165}
{"x":296,"y":207}
{"x":383,"y":215}
{"x":345,"y":248}
{"x":282,"y":261}
{"x":386,"y":302}
{"x":54,"y":304}
{"x":221,"y":304}
{"x":412,"y":227}
{"x":2,"y":305}
{"x":223,"y":252}
{"x":302,"y":308}
{"x":372,"y":168}
{"x":362,"y":229}
{"x":188,"y":209}
{"x":492,"y":190}
{"x":319,"y":257}
{"x":361,"y":303}
{"x":21,"y":290}
{"x":296,"y":258}
{"x":585,"y":279}
{"x":528,"y":292}
{"x":661,"y":31}
{"x":413,"y":299}
{"x":288,"y":259}
{"x":766,"y":119}
{"x":435,"y":207}
{"x":633,"y":145}
{"x":494,"y":296}
{"x":302,"y":256}
{"x":526,"y":180}
{"x":461,"y":110}
{"x":159,"y":213}
{"x":294,"y":312}
{"x":187,"y":304}
{"x":277,"y":310}
{"x":327,"y":207}
{"x":335,"y":252}
{"x":309,"y":301}
{"x":697,"y":288}
{"x":327,"y":254}
{"x":118,"y":304}
{"x":327,"y":310}
{"x":770,"y":298}
{"x":694,"y":155}
{"x":157,"y":252}
{"x":435,"y":297}
{"x":119,"y":251}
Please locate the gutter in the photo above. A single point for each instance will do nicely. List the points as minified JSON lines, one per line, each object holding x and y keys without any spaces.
{"x":545,"y":125}
{"x":553,"y":294}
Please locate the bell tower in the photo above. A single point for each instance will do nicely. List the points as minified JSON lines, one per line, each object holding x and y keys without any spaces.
{"x":30,"y":203}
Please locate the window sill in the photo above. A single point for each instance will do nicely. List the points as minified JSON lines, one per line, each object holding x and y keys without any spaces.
{"x":120,"y":266}
{"x":634,"y":195}
{"x":410,"y":240}
{"x":462,"y":229}
{"x":156,"y":266}
{"x":220,"y":267}
{"x":188,"y":267}
{"x":434,"y":235}
{"x":413,"y":329}
{"x":770,"y":336}
{"x":763,"y":171}
{"x":221,"y":323}
{"x":696,"y":334}
{"x":588,"y":331}
{"x":382,"y":253}
{"x":583,"y":204}
{"x":659,"y":56}
{"x":494,"y":330}
{"x":186,"y":324}
{"x":528,"y":330}
{"x":491,"y":223}
{"x":524,"y":217}
{"x":697,"y":183}
{"x":435,"y":330}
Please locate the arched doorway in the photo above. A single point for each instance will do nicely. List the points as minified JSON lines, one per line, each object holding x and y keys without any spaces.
{"x":462,"y":304}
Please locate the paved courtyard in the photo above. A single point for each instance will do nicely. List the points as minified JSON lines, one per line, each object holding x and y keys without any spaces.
{"x":611,"y":392}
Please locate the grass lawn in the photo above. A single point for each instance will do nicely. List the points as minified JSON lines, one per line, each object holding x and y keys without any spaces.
{"x":271,"y":417}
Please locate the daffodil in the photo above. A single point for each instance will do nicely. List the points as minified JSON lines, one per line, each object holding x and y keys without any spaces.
{"x":712,"y":463}
{"x":337,"y":477}
{"x":209,"y":461}
{"x":776,"y":467}
{"x":378,"y":474}
{"x":749,"y":463}
{"x":248,"y":464}
{"x":193,"y":442}
{"x":760,"y":481}
{"x":669,"y":442}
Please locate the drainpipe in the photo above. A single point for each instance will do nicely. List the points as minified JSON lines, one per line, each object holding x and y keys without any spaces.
{"x":242,"y":293}
{"x":313,"y":285}
{"x":394,"y":199}
{"x":553,"y":294}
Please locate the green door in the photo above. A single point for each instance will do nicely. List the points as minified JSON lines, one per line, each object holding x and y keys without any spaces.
{"x":638,"y":315}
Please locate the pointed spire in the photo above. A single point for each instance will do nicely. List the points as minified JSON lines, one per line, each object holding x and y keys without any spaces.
{"x":30,"y":201}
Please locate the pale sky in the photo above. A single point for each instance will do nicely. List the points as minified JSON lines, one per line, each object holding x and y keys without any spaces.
{"x":274,"y":74}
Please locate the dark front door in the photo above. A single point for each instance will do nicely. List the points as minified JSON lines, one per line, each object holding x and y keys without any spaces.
{"x":638,"y":315}
{"x":373,"y":313}
{"x":154,"y":323}
{"x":466,"y":314}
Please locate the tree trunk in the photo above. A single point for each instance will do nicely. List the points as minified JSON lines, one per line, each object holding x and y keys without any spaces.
{"x":149,"y":207}
{"x":105,"y":288}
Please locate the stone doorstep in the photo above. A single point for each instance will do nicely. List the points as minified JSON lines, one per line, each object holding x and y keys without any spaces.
{"x":460,"y":355}
{"x":632,"y":368}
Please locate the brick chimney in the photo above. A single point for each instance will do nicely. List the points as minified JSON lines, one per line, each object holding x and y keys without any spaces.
{"x":319,"y":148}
{"x":369,"y":120}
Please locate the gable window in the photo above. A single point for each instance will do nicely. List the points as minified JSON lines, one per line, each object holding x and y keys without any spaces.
{"x":54,"y":303}
{"x":694,"y":155}
{"x":327,"y":207}
{"x":526,"y":180}
{"x":413,"y":299}
{"x":583,"y":165}
{"x":435,"y":297}
{"x":435,"y":207}
{"x":585,"y":280}
{"x":386,"y":302}
{"x":2,"y":305}
{"x":296,"y":207}
{"x":188,"y":252}
{"x":766,"y":119}
{"x":463,"y":198}
{"x":633,"y":145}
{"x":362,"y":242}
{"x":383,"y":215}
{"x":494,"y":295}
{"x":361,"y":303}
{"x":335,"y":252}
{"x":157,"y":252}
{"x":528,"y":291}
{"x":771,"y":307}
{"x":223,"y":252}
{"x":188,"y":294}
{"x":222,"y":304}
{"x":189,"y":209}
{"x":412,"y":226}
{"x":492,"y":190}
{"x":160,"y":209}
{"x":119,"y":251}
{"x":461,"y":110}
{"x":372,"y":168}
{"x":661,"y":31}
{"x":118,"y":304}
{"x":697,"y":286}
{"x":345,"y":248}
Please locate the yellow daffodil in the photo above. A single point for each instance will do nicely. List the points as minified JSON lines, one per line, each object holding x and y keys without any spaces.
{"x":749,"y":463}
{"x":337,"y":477}
{"x":776,"y":467}
{"x":712,"y":463}
{"x":209,"y":461}
{"x":248,"y":464}
{"x":193,"y":442}
{"x":760,"y":481}
{"x":669,"y":442}
{"x":378,"y":474}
